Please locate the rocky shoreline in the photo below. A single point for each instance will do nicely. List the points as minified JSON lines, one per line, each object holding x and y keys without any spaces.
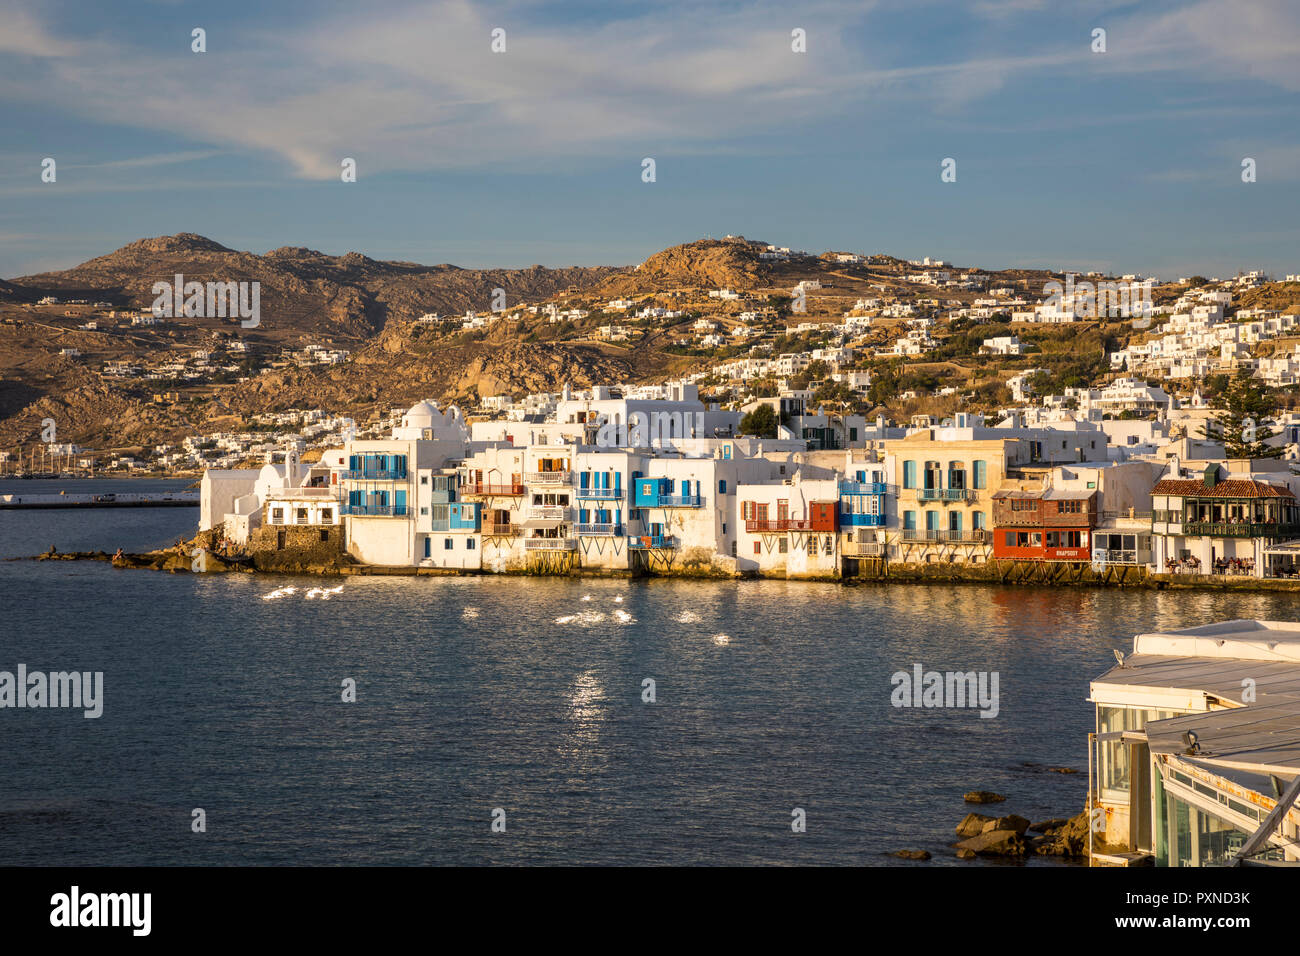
{"x":198,"y":555}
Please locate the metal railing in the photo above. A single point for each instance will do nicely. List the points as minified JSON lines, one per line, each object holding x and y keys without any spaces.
{"x":1241,"y":529}
{"x":1116,"y":557}
{"x":549,"y":512}
{"x":376,"y":474}
{"x":508,"y":530}
{"x":679,"y":501}
{"x":946,"y":494}
{"x":605,"y":528}
{"x":374,"y":511}
{"x":550,"y":544}
{"x":648,"y":541}
{"x":863,"y":488}
{"x":547,"y":478}
{"x":948,"y":537}
{"x":602,"y":494}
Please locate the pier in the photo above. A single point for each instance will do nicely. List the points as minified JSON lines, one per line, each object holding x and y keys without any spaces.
{"x":159,"y":499}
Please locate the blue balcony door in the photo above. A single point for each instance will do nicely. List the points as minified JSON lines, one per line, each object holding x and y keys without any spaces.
{"x":399,"y":502}
{"x":909,"y":520}
{"x":932,"y":521}
{"x":428,"y":546}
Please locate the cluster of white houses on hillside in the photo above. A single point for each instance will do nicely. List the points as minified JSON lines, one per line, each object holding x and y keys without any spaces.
{"x":655,"y":480}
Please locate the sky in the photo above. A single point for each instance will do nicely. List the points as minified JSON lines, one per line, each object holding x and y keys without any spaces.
{"x":1127,"y":160}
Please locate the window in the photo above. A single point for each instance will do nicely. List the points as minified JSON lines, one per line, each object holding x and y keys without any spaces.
{"x":326,"y":516}
{"x":979,"y":474}
{"x":783,"y":545}
{"x":424,"y":479}
{"x":909,"y":474}
{"x":722,"y":486}
{"x":1009,"y":539}
{"x":469,"y":544}
{"x":324,"y":534}
{"x":758,"y":548}
{"x":977,"y":520}
{"x":447,"y":544}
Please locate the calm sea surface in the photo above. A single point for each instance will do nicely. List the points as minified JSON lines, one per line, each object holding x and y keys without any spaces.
{"x":526,"y":695}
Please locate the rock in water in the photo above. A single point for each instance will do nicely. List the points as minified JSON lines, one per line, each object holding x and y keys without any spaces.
{"x":1009,"y":822}
{"x":996,"y":843}
{"x":911,"y":854}
{"x":972,"y":825}
{"x":983,"y":796}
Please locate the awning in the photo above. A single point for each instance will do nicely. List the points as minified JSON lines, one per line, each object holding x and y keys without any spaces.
{"x":543,"y":522}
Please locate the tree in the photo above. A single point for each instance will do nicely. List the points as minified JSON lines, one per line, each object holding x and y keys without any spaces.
{"x":761,"y":422}
{"x":1241,"y":423}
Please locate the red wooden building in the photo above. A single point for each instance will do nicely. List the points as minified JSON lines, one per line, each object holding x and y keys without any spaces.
{"x":1045,"y":525}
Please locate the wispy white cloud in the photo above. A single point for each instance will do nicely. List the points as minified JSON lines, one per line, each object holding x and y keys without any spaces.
{"x":417,"y":88}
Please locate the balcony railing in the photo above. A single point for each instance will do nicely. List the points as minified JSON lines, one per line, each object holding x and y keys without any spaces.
{"x":483,"y":489}
{"x":1241,"y":529}
{"x":948,"y":537}
{"x":605,"y":529}
{"x":651,"y":541}
{"x":863,"y":488}
{"x":374,"y":511}
{"x":863,"y":549}
{"x":549,"y":512}
{"x":313,"y":492}
{"x":550,"y":544}
{"x":946,"y":494}
{"x":680,"y":501}
{"x":601,"y":494}
{"x":506,"y":530}
{"x":859,"y":520}
{"x":376,"y":474}
{"x":1115,"y":557}
{"x":547,"y":478}
{"x":754,"y":526}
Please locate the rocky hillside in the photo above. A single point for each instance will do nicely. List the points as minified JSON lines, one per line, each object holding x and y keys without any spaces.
{"x":303,"y":290}
{"x":708,"y":263}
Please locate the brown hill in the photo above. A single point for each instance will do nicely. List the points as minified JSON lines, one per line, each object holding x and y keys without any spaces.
{"x":706,"y":263}
{"x":303,"y":290}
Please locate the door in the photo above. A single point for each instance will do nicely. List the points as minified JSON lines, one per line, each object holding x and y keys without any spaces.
{"x":1139,"y":816}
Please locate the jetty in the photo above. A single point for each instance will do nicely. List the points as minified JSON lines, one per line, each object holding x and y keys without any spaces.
{"x":159,"y":499}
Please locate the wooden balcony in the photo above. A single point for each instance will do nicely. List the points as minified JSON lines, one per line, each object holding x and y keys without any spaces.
{"x":482,"y":489}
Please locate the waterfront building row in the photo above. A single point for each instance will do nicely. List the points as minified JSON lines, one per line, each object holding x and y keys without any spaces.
{"x":556,"y":497}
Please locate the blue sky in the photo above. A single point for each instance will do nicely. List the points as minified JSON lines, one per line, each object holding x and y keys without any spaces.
{"x":1127,"y":160}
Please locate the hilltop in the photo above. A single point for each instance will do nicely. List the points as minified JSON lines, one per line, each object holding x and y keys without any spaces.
{"x":358,"y":336}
